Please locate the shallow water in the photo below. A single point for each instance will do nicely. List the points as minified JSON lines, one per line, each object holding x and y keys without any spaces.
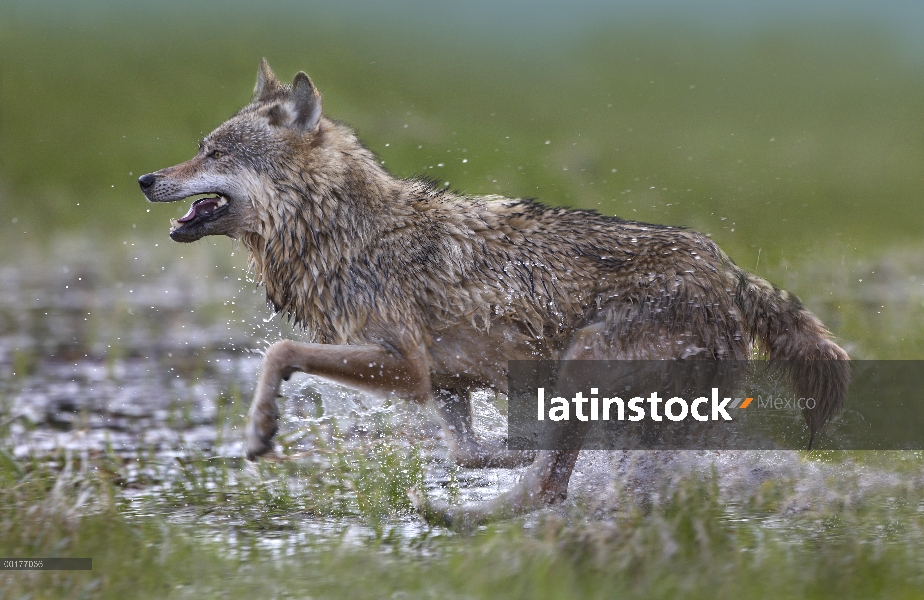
{"x":155,"y":348}
{"x":98,"y":350}
{"x":154,"y":351}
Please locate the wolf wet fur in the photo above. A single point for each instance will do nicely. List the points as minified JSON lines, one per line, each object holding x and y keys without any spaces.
{"x":408,"y":289}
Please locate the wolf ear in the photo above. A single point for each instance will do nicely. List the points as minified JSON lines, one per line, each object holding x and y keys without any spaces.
{"x":267,"y":84}
{"x":305,"y":104}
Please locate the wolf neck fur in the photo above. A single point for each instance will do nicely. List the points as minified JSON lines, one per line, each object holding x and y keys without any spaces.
{"x":310,"y":240}
{"x":335,"y":254}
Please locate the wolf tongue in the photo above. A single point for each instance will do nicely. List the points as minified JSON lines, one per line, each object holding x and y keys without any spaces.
{"x":188,"y":216}
{"x":200,"y":207}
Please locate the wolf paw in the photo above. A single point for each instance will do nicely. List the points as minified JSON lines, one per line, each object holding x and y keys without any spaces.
{"x":257,"y":445}
{"x":441,"y":514}
{"x":434,"y":513}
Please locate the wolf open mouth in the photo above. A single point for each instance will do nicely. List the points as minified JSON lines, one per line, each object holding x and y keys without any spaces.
{"x":201,"y":209}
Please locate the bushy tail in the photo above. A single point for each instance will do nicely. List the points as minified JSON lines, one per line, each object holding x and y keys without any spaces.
{"x":786,"y":331}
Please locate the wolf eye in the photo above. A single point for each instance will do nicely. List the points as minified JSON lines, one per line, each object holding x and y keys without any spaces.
{"x":216,"y":154}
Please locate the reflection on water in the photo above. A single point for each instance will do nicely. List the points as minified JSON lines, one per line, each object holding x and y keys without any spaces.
{"x":123,"y":350}
{"x":155,"y":350}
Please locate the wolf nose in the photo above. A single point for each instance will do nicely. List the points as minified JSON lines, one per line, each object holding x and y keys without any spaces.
{"x":146,"y":181}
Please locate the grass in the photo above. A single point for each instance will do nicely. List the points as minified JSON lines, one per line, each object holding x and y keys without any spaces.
{"x":336,"y":522}
{"x":797,"y":149}
{"x":783,"y":143}
{"x":690,"y":544}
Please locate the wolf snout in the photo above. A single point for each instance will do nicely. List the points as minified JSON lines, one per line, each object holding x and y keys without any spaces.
{"x":147,"y":182}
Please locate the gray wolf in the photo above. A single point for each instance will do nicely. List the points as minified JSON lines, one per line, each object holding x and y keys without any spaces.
{"x":423,"y":293}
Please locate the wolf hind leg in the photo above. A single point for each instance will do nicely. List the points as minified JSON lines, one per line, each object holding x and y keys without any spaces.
{"x":455,"y":409}
{"x":544,"y":482}
{"x":369,"y":368}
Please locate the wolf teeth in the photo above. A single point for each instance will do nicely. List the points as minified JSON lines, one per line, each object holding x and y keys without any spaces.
{"x":222,"y":201}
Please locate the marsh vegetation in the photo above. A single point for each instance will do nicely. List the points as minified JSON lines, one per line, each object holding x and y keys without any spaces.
{"x":127,"y":361}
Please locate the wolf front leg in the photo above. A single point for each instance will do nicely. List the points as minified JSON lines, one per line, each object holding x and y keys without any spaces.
{"x":369,"y":368}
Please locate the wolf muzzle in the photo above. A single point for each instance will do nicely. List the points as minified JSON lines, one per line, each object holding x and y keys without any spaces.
{"x":147,"y":182}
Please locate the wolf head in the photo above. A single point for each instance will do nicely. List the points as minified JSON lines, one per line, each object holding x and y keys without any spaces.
{"x":275,"y":137}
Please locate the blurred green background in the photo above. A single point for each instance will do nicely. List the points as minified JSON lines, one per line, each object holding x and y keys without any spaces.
{"x":796,"y":134}
{"x":792,"y":133}
{"x":789,"y":131}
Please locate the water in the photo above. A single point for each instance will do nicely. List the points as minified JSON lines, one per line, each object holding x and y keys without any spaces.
{"x":154,"y":350}
{"x":150,"y":354}
{"x":117,"y":350}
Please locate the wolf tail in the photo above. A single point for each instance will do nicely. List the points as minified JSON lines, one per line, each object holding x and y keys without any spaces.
{"x":786,"y":331}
